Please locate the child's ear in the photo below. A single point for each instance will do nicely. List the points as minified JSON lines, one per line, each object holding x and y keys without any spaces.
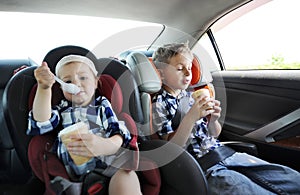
{"x":97,"y":82}
{"x":161,"y":74}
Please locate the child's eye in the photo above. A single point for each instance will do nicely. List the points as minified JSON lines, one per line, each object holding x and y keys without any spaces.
{"x":179,"y":69}
{"x":68,"y":81}
{"x":83,"y":78}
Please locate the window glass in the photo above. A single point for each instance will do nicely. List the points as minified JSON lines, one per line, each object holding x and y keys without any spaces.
{"x":265,"y":38}
{"x":206,"y":55}
{"x":32,"y":35}
{"x":205,"y":51}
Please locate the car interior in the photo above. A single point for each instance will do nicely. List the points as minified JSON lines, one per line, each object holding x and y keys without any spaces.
{"x":261,"y":107}
{"x":149,"y":162}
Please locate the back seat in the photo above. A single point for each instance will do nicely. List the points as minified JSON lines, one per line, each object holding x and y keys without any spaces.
{"x":11,"y":169}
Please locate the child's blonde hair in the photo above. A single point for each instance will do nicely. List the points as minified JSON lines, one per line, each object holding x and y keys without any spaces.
{"x":163,"y":54}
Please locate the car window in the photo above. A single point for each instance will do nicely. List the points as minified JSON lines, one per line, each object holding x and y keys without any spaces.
{"x":32,"y":35}
{"x":208,"y":60}
{"x":205,"y":51}
{"x":264,"y":38}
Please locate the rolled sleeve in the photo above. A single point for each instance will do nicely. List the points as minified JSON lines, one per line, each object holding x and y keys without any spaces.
{"x":112,"y":125}
{"x":124,"y":132}
{"x":38,"y":128}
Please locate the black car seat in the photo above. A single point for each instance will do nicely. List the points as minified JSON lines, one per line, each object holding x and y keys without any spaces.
{"x":15,"y":109}
{"x":19,"y":95}
{"x":11,"y":169}
{"x":108,"y":88}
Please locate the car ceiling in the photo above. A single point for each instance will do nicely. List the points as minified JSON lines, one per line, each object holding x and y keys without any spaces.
{"x":190,"y":16}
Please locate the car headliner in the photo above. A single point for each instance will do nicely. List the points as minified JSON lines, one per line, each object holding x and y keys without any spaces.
{"x":190,"y":16}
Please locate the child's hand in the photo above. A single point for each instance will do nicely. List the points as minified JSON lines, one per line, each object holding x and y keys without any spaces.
{"x":217,"y":111}
{"x":84,"y":145}
{"x":92,"y":145}
{"x":44,"y":76}
{"x":202,"y":107}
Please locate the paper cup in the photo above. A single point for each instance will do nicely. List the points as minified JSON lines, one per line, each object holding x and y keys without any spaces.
{"x":78,"y":128}
{"x":199,"y":92}
{"x":204,"y":92}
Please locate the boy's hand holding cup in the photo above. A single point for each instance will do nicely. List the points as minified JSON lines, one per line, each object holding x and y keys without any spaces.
{"x":204,"y":92}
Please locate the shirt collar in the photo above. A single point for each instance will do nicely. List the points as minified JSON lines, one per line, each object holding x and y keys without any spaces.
{"x":181,"y":95}
{"x":93,"y":103}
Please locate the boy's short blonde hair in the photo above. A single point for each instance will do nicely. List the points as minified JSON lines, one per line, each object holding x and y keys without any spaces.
{"x":163,"y":54}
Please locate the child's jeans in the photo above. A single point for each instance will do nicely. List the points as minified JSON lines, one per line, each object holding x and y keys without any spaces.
{"x":245,"y":174}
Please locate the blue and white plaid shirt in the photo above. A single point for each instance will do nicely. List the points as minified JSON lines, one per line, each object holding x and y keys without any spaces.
{"x":102,"y":121}
{"x":164,"y":108}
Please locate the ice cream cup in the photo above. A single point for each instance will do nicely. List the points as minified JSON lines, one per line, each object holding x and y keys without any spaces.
{"x":204,"y":92}
{"x":199,"y":92}
{"x":77,"y":128}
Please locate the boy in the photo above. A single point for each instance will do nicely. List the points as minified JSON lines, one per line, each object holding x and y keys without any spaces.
{"x":108,"y":134}
{"x":198,"y":128}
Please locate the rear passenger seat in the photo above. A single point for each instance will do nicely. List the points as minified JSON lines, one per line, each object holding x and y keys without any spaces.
{"x":10,"y":167}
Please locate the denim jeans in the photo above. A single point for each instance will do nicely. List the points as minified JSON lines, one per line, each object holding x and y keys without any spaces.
{"x":245,"y":174}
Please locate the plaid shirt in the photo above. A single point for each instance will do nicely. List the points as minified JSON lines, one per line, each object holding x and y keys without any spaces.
{"x":102,"y":121}
{"x":164,"y":108}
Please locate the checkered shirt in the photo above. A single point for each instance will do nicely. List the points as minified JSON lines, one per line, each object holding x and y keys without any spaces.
{"x":164,"y":107}
{"x":102,"y":121}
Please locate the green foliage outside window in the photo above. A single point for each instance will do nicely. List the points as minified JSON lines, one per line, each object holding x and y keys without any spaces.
{"x":276,"y":62}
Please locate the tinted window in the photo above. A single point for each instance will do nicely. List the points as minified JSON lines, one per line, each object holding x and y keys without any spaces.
{"x":265,"y":38}
{"x":32,"y":35}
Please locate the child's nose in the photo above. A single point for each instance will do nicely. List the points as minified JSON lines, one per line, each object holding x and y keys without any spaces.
{"x":187,"y":72}
{"x":77,"y":82}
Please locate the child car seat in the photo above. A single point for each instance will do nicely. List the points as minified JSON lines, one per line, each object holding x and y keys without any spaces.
{"x":18,"y":97}
{"x":149,"y":82}
{"x":53,"y":167}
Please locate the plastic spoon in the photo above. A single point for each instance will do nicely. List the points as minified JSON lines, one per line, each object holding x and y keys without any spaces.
{"x":68,"y":87}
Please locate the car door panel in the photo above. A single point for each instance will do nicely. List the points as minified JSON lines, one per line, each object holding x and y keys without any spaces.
{"x":262,"y":107}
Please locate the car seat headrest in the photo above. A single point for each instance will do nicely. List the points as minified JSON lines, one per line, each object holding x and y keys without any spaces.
{"x":196,"y":71}
{"x":112,"y":91}
{"x":54,"y":55}
{"x":145,"y":73}
{"x":198,"y":80}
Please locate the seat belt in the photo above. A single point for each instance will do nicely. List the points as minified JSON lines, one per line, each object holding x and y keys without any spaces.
{"x":183,"y":107}
{"x":213,"y":156}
